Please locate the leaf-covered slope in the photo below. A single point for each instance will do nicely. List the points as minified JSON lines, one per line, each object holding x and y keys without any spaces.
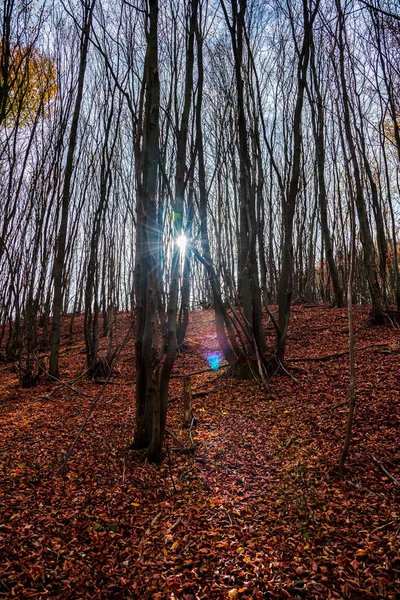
{"x":256,"y":511}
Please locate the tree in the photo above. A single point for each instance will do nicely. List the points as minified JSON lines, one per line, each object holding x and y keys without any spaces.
{"x":365,"y":232}
{"x":59,"y":259}
{"x":318,"y":123}
{"x":248,"y":280}
{"x":286,"y":275}
{"x":28,"y":83}
{"x":151,"y":406}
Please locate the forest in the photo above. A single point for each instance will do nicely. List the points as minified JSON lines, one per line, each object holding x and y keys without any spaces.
{"x":199,"y":299}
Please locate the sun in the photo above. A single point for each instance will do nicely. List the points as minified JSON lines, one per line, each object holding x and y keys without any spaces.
{"x":181,"y":242}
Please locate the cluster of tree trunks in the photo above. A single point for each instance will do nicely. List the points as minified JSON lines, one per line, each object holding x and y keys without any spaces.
{"x":270,"y":168}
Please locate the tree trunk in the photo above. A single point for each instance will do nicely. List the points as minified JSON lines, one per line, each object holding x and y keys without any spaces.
{"x":59,"y":260}
{"x":365,"y":232}
{"x":286,"y":276}
{"x":148,"y":433}
{"x":352,"y":400}
{"x":319,"y":135}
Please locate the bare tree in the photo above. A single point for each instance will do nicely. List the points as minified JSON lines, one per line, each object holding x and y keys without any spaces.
{"x":59,"y":259}
{"x":286,"y":275}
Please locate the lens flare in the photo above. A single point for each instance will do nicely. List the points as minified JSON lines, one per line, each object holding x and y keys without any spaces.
{"x":181,"y":242}
{"x":214,"y":360}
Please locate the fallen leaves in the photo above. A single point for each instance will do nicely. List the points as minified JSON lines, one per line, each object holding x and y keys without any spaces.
{"x":258,"y":510}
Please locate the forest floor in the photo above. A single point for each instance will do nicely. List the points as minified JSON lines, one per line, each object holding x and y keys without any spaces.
{"x":256,"y":511}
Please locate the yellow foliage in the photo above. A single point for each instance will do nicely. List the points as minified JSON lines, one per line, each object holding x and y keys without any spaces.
{"x":388,"y":127}
{"x":32,"y":81}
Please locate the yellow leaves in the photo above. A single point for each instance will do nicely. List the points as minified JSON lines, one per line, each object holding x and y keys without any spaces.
{"x":389,"y":130}
{"x":18,"y":470}
{"x":217,"y":500}
{"x":135,"y":504}
{"x":240,"y":550}
{"x":168,"y":539}
{"x":32,"y":83}
{"x":234,"y":592}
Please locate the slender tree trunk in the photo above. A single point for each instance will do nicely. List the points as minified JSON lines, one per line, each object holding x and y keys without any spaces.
{"x":151,"y":406}
{"x":59,"y":260}
{"x":352,"y":400}
{"x":248,"y":280}
{"x":319,"y":134}
{"x":286,"y":276}
{"x":227,"y":343}
{"x":185,"y":291}
{"x":365,"y":232}
{"x":393,"y":226}
{"x":180,"y":183}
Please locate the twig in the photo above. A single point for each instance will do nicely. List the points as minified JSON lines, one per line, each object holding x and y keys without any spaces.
{"x":360,"y":487}
{"x":184,"y":450}
{"x":229,"y":517}
{"x":385,"y":471}
{"x":198,"y":394}
{"x":290,"y":442}
{"x":170,"y":468}
{"x":190,"y":432}
{"x":93,"y":403}
{"x":61,"y":383}
{"x":11,"y":366}
{"x":156,"y":518}
{"x":386,"y":525}
{"x":199,"y":372}
{"x":175,"y":525}
{"x":338,"y":404}
{"x":103,"y":382}
{"x":335,"y":355}
{"x":287,"y":372}
{"x":187,"y":449}
{"x":170,"y":433}
{"x":113,"y":382}
{"x":182,"y":475}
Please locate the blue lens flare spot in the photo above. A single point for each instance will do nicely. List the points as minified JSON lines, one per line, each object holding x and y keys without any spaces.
{"x":214,"y":360}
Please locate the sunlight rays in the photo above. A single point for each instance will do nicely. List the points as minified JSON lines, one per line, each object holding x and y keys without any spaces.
{"x":181,"y":242}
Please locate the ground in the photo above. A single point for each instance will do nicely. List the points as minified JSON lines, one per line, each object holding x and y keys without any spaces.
{"x":258,"y":510}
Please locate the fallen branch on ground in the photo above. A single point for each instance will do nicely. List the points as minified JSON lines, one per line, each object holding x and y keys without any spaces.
{"x":334,"y":355}
{"x":361,"y":487}
{"x":198,"y":394}
{"x":335,"y":406}
{"x":171,"y":434}
{"x":386,"y":525}
{"x":385,"y":471}
{"x":199,"y":372}
{"x":61,"y":383}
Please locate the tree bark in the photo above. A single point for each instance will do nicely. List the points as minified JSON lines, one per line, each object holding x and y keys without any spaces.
{"x":365,"y":232}
{"x":59,"y":260}
{"x":286,"y":275}
{"x":149,"y":432}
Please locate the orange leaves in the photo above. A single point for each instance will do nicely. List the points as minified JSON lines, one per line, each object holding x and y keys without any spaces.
{"x":32,"y":82}
{"x":254,"y":515}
